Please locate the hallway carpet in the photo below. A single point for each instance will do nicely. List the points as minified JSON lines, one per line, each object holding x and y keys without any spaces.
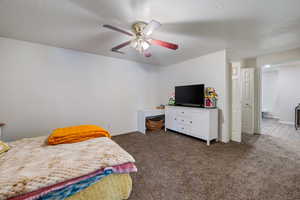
{"x":284,"y":131}
{"x":172,"y":166}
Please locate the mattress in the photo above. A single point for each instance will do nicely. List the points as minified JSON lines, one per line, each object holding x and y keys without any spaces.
{"x":112,"y":187}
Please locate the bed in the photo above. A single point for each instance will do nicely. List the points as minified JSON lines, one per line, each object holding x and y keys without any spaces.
{"x":94,"y":169}
{"x":112,"y":187}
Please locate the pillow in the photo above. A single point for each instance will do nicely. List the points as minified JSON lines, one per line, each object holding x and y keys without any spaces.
{"x":3,"y":147}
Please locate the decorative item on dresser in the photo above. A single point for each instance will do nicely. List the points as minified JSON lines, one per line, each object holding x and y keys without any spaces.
{"x":211,"y":97}
{"x":197,"y":122}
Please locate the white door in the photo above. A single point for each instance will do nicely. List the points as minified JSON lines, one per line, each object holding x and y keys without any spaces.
{"x":236,"y":103}
{"x":247,"y":78}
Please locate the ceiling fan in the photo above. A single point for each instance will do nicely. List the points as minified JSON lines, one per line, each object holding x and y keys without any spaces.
{"x":142,"y":40}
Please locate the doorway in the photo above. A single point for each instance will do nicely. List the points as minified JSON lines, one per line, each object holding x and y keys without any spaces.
{"x":280,"y":95}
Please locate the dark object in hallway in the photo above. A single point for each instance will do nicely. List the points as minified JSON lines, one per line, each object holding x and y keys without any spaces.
{"x":172,"y":166}
{"x":297,"y":117}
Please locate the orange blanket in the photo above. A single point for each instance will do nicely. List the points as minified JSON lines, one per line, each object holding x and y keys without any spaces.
{"x":76,"y":134}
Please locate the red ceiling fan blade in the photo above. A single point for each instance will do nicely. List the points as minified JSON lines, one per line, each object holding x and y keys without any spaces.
{"x":120,"y":46}
{"x":120,"y":52}
{"x":164,"y":44}
{"x":153,"y":25}
{"x":147,"y":54}
{"x":117,"y":29}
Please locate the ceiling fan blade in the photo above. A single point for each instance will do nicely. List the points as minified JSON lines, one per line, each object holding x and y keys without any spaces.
{"x":153,"y":25}
{"x":120,"y":46}
{"x":117,"y":29}
{"x":120,"y":52}
{"x":164,"y":44}
{"x":147,"y":54}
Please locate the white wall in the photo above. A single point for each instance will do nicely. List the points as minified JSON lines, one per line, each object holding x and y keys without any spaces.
{"x":270,"y":93}
{"x":44,"y":87}
{"x":289,"y":82}
{"x":213,"y":71}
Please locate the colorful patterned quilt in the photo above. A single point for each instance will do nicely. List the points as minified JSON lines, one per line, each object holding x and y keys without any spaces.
{"x":67,"y":188}
{"x":30,"y":164}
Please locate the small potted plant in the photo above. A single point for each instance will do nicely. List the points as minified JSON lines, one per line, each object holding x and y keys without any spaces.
{"x":211,"y":97}
{"x":172,"y":100}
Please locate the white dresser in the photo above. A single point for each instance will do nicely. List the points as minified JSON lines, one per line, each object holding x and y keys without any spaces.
{"x":197,"y":122}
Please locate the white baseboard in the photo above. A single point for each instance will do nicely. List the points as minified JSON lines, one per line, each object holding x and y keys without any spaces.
{"x":270,"y":116}
{"x":123,"y":133}
{"x":287,"y":122}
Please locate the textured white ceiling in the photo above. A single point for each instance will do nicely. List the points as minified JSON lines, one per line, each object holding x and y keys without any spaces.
{"x":245,"y":28}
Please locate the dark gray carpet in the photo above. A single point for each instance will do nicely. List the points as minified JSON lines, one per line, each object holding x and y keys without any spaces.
{"x":177,"y":167}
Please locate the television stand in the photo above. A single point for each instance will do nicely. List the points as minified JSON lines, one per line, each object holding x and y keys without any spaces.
{"x":197,"y":122}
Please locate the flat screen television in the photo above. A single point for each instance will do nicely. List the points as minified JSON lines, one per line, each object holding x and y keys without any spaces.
{"x":189,"y":95}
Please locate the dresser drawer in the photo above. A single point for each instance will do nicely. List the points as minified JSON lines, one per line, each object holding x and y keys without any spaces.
{"x":183,"y":113}
{"x":184,"y":128}
{"x":185,"y":120}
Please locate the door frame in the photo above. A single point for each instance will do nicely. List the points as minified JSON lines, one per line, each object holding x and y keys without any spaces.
{"x":238,"y":67}
{"x":258,"y":115}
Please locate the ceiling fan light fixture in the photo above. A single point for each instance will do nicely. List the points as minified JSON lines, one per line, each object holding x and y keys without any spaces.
{"x":140,"y":44}
{"x":145,"y":45}
{"x":134,"y":43}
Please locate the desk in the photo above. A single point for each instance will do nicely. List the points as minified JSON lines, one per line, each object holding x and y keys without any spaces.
{"x":144,"y":114}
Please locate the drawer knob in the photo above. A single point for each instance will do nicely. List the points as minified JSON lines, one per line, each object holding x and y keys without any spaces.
{"x":175,"y":119}
{"x":182,"y":120}
{"x":191,"y":122}
{"x":182,"y":112}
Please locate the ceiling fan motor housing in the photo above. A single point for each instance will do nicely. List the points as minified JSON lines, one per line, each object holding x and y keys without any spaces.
{"x":138,"y":27}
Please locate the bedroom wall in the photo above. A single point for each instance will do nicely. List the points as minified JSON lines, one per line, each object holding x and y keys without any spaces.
{"x":44,"y":87}
{"x":212,"y":70}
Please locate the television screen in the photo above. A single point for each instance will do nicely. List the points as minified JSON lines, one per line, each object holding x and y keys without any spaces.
{"x":192,"y":95}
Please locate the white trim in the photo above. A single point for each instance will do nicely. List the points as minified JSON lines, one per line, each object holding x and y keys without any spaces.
{"x":270,"y":116}
{"x":258,"y":99}
{"x":123,"y":133}
{"x":287,"y":122}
